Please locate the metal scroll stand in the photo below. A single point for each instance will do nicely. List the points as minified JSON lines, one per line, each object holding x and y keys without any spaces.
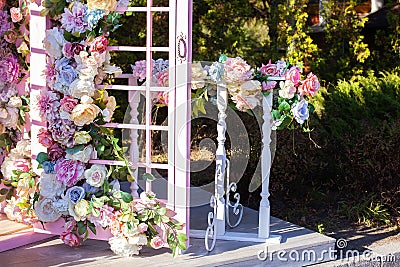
{"x":220,"y":201}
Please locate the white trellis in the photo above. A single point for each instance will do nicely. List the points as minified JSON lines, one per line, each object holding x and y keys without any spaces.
{"x":179,"y":55}
{"x":178,"y":128}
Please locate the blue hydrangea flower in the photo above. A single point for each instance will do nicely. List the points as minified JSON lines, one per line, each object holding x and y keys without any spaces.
{"x":300,"y":111}
{"x":75,"y":193}
{"x":93,"y":17}
{"x":65,"y":75}
{"x":48,"y":167}
{"x":215,"y":71}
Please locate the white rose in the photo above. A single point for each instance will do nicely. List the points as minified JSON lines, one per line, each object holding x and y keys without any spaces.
{"x":250,"y":88}
{"x":54,"y":42}
{"x":121,"y":247}
{"x":83,"y":155}
{"x":198,"y":76}
{"x":287,"y":89}
{"x":8,"y":166}
{"x":14,"y":102}
{"x":139,"y":240}
{"x":45,"y":212}
{"x":22,"y":149}
{"x":49,"y":187}
{"x":79,"y":88}
{"x":96,"y":175}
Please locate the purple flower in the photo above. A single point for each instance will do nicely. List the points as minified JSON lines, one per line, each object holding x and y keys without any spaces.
{"x":9,"y":69}
{"x":72,"y":49}
{"x":300,"y":111}
{"x":5,"y":24}
{"x":68,"y":171}
{"x":6,"y":91}
{"x":268,"y":86}
{"x":55,"y":152}
{"x":139,"y":70}
{"x":74,"y":20}
{"x":63,"y":132}
{"x":49,"y":105}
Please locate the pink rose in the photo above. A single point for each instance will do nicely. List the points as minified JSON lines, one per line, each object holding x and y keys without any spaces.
{"x":310,"y":85}
{"x":293,"y":74}
{"x":237,"y":70}
{"x":157,"y":242}
{"x":163,"y":98}
{"x":68,"y":103}
{"x":142,"y":227}
{"x":162,"y":78}
{"x":70,"y":239}
{"x":99,"y":44}
{"x":22,"y":165}
{"x":16,"y":15}
{"x":2,"y":4}
{"x":269,"y":69}
{"x":45,"y":138}
{"x":72,"y":49}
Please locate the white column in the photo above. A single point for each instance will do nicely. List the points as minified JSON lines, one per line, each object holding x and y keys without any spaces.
{"x":264,"y":212}
{"x":222,"y":101}
{"x":134,"y":99}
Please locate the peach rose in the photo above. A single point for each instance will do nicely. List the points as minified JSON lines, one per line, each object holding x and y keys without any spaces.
{"x":156,"y":242}
{"x":310,"y":85}
{"x":16,"y":15}
{"x":85,"y":112}
{"x":106,"y":5}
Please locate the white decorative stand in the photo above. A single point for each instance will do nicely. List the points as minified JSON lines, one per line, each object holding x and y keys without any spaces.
{"x":219,"y":218}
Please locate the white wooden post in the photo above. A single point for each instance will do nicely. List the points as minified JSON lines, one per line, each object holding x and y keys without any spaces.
{"x":134,"y":99}
{"x":264,"y":211}
{"x":222,"y":101}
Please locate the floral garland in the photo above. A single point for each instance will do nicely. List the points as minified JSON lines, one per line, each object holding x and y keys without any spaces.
{"x":17,"y":180}
{"x":87,"y":196}
{"x":246,"y":86}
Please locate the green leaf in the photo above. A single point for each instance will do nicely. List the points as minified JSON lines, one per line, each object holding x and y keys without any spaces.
{"x":162,"y":210}
{"x":92,"y":228}
{"x":148,"y":177}
{"x":284,"y":106}
{"x":81,"y":228}
{"x":165,"y":219}
{"x":126,"y":197}
{"x":31,"y":182}
{"x":75,"y":149}
{"x":42,"y":157}
{"x":276,"y":115}
{"x":182,"y":238}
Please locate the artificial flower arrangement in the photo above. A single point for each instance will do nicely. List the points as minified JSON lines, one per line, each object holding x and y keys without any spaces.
{"x":14,"y":105}
{"x":246,"y":86}
{"x":86,"y":196}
